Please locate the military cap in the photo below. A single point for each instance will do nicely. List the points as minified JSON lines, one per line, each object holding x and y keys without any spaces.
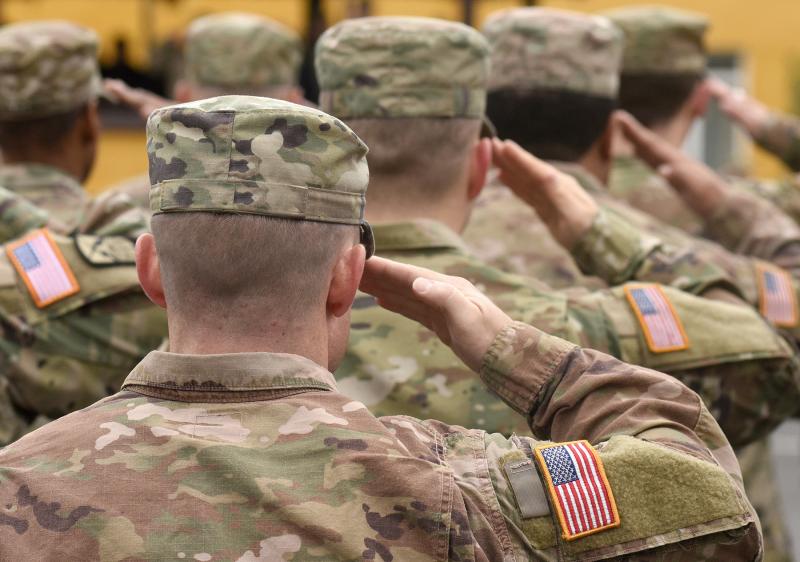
{"x":402,"y":67}
{"x":245,"y":154}
{"x":46,"y":68}
{"x":544,"y":48}
{"x":235,"y":49}
{"x":661,"y":40}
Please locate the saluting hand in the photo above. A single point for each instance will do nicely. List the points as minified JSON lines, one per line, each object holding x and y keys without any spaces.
{"x":740,"y":107}
{"x":697,"y":184}
{"x":141,"y":101}
{"x":563,"y":205}
{"x":463,"y":317}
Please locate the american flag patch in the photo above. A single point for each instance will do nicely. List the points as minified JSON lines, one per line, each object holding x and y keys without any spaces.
{"x":40,"y":263}
{"x":777,"y":299}
{"x":662,"y":327}
{"x":578,"y":487}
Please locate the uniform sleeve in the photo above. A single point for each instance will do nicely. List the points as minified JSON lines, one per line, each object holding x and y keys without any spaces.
{"x":781,"y":136}
{"x":18,"y":216}
{"x":750,"y":225}
{"x":617,"y":252}
{"x":747,"y":374}
{"x":655,"y":447}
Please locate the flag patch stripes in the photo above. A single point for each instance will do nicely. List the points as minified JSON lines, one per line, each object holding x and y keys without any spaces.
{"x":777,"y":298}
{"x":662,"y":326}
{"x":42,"y":267}
{"x":578,"y":488}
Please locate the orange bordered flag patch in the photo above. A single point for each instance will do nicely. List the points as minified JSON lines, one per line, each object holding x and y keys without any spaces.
{"x":776,"y":296}
{"x":41,"y":265}
{"x":578,"y":488}
{"x":662,"y":326}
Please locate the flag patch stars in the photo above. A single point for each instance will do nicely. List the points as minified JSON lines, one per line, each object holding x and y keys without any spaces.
{"x":578,"y":488}
{"x":660,"y":323}
{"x":42,"y":267}
{"x":777,"y":298}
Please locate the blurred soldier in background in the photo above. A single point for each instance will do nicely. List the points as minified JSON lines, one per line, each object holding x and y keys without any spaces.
{"x":225,"y":53}
{"x":421,"y":119}
{"x":73,"y":316}
{"x":49,"y":126}
{"x":558,"y":103}
{"x":238,"y":445}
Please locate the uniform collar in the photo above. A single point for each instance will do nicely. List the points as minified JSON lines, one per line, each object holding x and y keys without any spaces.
{"x":420,"y":234}
{"x":226,"y":377}
{"x":587,"y":181}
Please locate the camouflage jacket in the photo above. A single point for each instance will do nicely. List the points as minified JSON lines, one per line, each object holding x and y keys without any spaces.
{"x":626,"y":244}
{"x":61,"y":356}
{"x":69,"y":207}
{"x":396,"y":366}
{"x":259,"y":456}
{"x":752,"y":221}
{"x":781,"y":137}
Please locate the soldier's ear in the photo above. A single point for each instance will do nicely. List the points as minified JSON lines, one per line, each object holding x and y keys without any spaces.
{"x":700,"y":98}
{"x":345,"y":278}
{"x":480,"y":161}
{"x":149,"y":270}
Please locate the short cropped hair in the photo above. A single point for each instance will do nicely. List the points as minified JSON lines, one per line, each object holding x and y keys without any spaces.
{"x":655,"y":99}
{"x":226,"y":262}
{"x":429,"y":153}
{"x":39,"y":131}
{"x":552,"y":124}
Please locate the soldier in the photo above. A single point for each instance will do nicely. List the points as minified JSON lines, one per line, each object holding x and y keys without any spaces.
{"x":237,"y":444}
{"x":49,"y":126}
{"x":226,"y":53}
{"x":558,"y":71}
{"x":662,"y":84}
{"x":417,"y":98}
{"x":73,"y":316}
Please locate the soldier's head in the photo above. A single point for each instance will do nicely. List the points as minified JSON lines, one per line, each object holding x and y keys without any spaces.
{"x":49,"y":84}
{"x":243,"y":54}
{"x":554,"y":81}
{"x":663,"y":65}
{"x":258,"y":212}
{"x":415,"y":90}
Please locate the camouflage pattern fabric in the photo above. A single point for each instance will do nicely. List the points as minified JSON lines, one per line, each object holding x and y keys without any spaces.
{"x":442,"y":72}
{"x":661,"y":40}
{"x":396,"y":366}
{"x":71,"y":353}
{"x":781,"y":136}
{"x":243,"y":154}
{"x":234,"y":49}
{"x":542,"y":48}
{"x":68,"y":207}
{"x":258,"y":456}
{"x":46,"y":68}
{"x":18,"y":216}
{"x":51,"y":190}
{"x":137,"y":188}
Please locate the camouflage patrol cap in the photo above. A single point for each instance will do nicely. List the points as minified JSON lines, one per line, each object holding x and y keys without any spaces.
{"x":544,"y":48}
{"x":402,"y":67}
{"x":46,"y":68}
{"x":244,"y":154}
{"x":661,"y":40}
{"x":235,"y":49}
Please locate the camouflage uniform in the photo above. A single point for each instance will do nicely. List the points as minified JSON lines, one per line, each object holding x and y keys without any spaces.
{"x":232,"y":53}
{"x":258,"y":455}
{"x":623,"y":244}
{"x":49,"y":68}
{"x":780,"y":135}
{"x":378,"y":369}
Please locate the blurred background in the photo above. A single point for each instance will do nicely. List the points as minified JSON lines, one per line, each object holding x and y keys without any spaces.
{"x":753,"y":44}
